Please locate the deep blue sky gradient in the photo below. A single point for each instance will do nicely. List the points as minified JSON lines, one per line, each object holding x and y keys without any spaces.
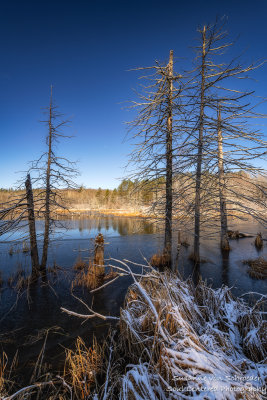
{"x":85,"y":49}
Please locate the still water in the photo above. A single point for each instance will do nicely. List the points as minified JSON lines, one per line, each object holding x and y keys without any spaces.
{"x":25,"y":316}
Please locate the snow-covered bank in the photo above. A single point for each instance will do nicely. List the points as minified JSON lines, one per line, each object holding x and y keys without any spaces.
{"x":190,"y":342}
{"x":173,"y":340}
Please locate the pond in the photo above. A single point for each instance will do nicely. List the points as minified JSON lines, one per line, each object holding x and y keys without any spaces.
{"x":26,"y":315}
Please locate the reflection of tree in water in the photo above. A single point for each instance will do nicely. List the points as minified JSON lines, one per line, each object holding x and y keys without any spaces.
{"x":99,"y":227}
{"x":107,"y":223}
{"x":114,"y":222}
{"x":81,"y":224}
{"x":225,"y":268}
{"x":123,"y":227}
{"x":129,"y":226}
{"x":148,"y":227}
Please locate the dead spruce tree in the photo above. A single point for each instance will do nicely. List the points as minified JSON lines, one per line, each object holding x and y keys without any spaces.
{"x":155,"y":135}
{"x":214,"y":83}
{"x":241,"y":181}
{"x":52,"y":173}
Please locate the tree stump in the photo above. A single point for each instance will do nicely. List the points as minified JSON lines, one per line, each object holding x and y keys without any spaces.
{"x":99,"y":268}
{"x":259,"y":241}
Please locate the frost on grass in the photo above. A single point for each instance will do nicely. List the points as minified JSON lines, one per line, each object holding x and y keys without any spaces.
{"x":174,"y":341}
{"x":195,"y":342}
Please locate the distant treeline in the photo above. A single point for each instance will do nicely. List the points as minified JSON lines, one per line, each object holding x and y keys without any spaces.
{"x":147,"y":196}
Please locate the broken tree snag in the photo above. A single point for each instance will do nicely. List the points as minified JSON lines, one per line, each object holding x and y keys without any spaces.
{"x":99,"y":250}
{"x":259,"y":241}
{"x":98,"y":264}
{"x":31,"y":223}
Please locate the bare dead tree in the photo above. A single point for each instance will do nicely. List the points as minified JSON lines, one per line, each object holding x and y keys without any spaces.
{"x":155,"y":137}
{"x":222,"y":195}
{"x":52,"y":172}
{"x":169,"y":155}
{"x":213,"y":83}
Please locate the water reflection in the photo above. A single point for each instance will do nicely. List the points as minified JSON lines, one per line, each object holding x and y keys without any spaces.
{"x":110,"y":226}
{"x":225,"y":268}
{"x":127,"y":238}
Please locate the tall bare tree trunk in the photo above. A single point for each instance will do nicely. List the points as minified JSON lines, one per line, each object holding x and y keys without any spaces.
{"x":32,"y":229}
{"x":223,"y":210}
{"x":196,"y":255}
{"x":168,"y":212}
{"x":48,"y":190}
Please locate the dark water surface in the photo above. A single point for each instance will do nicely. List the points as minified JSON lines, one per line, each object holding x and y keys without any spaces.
{"x":24,"y":316}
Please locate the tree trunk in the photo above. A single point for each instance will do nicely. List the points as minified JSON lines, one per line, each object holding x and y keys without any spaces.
{"x":48,"y":190}
{"x":196,"y":255}
{"x":168,"y":212}
{"x":32,"y":230}
{"x":223,"y":210}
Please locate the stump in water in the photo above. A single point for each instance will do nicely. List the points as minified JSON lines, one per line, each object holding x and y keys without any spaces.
{"x":98,"y":269}
{"x":93,"y":276}
{"x":225,"y":247}
{"x":99,"y":250}
{"x":259,"y":241}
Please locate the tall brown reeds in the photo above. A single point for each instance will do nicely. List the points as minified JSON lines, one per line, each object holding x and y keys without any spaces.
{"x":81,"y":368}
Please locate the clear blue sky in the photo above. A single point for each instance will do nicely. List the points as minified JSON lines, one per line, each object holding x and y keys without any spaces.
{"x":84,"y":48}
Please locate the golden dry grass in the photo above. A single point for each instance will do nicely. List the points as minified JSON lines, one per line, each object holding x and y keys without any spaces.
{"x":3,"y":367}
{"x":90,"y":277}
{"x":159,"y":260}
{"x":257,"y":268}
{"x":80,"y":264}
{"x":82,"y":366}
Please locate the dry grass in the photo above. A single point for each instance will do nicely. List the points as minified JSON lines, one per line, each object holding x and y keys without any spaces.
{"x":160,"y":260}
{"x":80,"y":264}
{"x":23,"y":283}
{"x":173,"y":335}
{"x":257,"y":268}
{"x":90,"y":277}
{"x":3,"y":367}
{"x":6,"y":384}
{"x":81,"y":368}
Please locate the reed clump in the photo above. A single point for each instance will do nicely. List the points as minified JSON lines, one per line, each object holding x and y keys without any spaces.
{"x":90,"y":277}
{"x":80,"y":264}
{"x":174,"y":340}
{"x":160,"y":260}
{"x":257,"y":268}
{"x":259,"y":241}
{"x":3,"y":381}
{"x":82,"y":367}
